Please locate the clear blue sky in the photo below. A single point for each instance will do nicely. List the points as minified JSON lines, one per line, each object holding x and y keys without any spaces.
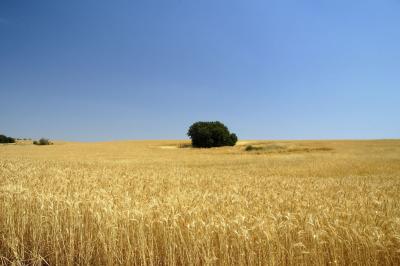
{"x":104,"y":70}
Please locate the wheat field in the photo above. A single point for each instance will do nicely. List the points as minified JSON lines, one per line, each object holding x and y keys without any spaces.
{"x":164,"y":203}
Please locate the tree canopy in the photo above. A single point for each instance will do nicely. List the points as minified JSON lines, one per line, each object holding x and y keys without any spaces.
{"x":211,"y":134}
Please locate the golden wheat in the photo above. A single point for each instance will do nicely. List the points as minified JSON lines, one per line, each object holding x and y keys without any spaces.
{"x":161,"y":203}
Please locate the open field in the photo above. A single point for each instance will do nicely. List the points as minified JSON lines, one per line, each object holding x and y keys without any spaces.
{"x":162,"y":203}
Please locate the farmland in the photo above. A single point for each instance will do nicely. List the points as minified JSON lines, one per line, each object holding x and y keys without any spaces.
{"x":164,"y":203}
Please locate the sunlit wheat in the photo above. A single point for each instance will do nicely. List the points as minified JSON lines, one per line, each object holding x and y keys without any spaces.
{"x":162,"y":203}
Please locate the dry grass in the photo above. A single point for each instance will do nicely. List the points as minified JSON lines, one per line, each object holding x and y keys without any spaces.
{"x":316,"y":203}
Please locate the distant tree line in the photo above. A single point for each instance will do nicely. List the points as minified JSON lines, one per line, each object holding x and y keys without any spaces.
{"x":42,"y":141}
{"x":5,"y":139}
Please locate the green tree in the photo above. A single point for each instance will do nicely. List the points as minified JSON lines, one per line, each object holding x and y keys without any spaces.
{"x":211,"y":134}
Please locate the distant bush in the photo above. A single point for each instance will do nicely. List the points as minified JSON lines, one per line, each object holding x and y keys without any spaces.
{"x":42,"y":141}
{"x":252,"y":148}
{"x":5,"y":139}
{"x":249,"y":148}
{"x":211,"y":134}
